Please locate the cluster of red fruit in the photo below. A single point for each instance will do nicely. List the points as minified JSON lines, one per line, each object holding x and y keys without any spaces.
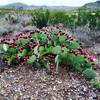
{"x":52,"y":66}
{"x":86,"y":55}
{"x":68,"y":36}
{"x":81,"y":51}
{"x":5,"y":40}
{"x":48,"y":57}
{"x":76,"y":52}
{"x":25,"y":60}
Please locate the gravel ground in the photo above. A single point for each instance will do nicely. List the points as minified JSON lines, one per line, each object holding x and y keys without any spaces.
{"x":22,"y":83}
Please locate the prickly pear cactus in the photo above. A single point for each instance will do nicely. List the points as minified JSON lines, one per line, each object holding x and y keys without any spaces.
{"x":50,"y":50}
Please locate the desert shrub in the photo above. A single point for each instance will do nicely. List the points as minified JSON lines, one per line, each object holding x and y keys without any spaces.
{"x":7,"y":29}
{"x":11,"y":18}
{"x":76,"y":19}
{"x":57,"y":17}
{"x":25,"y":20}
{"x":96,"y":82}
{"x":46,"y":49}
{"x":40,"y":18}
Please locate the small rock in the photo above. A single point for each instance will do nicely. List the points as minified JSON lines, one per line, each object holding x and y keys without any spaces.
{"x":90,"y":98}
{"x":84,"y":88}
{"x":93,"y":94}
{"x":54,"y":88}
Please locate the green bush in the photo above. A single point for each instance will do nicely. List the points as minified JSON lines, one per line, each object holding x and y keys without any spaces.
{"x":11,"y":18}
{"x":73,"y":20}
{"x":57,"y":17}
{"x":40,"y":18}
{"x":96,"y":82}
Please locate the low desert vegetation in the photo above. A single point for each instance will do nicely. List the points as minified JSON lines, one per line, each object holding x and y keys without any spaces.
{"x":50,"y":47}
{"x":49,"y":50}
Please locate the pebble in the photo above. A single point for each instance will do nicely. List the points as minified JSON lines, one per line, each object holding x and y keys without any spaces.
{"x":84,"y":88}
{"x":59,"y":81}
{"x":54,"y":88}
{"x":93,"y":94}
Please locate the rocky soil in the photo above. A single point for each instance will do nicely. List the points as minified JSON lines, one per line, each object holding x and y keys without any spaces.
{"x":22,"y":83}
